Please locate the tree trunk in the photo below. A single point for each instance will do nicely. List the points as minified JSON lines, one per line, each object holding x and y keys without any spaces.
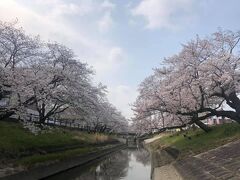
{"x":43,"y":116}
{"x":203,"y":126}
{"x":42,"y":119}
{"x":229,"y":114}
{"x":234,"y":102}
{"x":200,"y":124}
{"x":6,"y":115}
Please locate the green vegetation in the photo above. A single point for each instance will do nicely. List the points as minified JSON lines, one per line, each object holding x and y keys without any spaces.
{"x":20,"y":145}
{"x":53,"y":157}
{"x":57,"y":156}
{"x":14,"y":138}
{"x":196,"y":141}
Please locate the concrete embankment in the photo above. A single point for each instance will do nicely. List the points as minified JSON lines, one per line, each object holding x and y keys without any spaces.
{"x":51,"y":169}
{"x":161,"y":162}
{"x":162,"y":166}
{"x":222,"y":162}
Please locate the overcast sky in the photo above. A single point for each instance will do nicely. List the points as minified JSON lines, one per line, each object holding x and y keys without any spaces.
{"x":122,"y":39}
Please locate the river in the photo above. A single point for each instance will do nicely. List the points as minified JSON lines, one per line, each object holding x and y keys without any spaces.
{"x":126,"y":164}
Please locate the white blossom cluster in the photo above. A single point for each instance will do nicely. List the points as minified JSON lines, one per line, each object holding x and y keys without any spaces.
{"x":50,"y":79}
{"x":192,"y":85}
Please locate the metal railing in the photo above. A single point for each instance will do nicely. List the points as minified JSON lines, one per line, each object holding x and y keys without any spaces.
{"x":67,"y":123}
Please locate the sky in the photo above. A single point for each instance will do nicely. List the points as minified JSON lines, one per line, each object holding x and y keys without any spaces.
{"x":122,"y":40}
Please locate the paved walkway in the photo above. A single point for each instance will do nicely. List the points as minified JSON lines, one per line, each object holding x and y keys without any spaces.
{"x":162,"y":169}
{"x":219,"y":163}
{"x":167,"y":172}
{"x":150,"y":140}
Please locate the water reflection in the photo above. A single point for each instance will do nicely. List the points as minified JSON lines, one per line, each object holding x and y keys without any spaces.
{"x":113,"y":168}
{"x":127,"y":164}
{"x":142,"y":156}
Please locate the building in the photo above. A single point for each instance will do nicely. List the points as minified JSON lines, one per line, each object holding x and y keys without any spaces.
{"x":217,"y":120}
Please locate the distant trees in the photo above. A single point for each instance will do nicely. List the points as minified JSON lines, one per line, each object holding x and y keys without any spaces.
{"x":49,"y":78}
{"x":193,"y":84}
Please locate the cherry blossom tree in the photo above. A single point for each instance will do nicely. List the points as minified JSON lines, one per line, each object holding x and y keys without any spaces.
{"x":105,"y":117}
{"x":16,"y":50}
{"x":192,"y":85}
{"x":49,"y":78}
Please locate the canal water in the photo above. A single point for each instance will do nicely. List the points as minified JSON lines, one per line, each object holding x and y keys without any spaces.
{"x":126,"y":164}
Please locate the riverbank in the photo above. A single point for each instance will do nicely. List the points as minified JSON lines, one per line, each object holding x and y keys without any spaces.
{"x":194,"y":154}
{"x":161,"y":161}
{"x":21,"y":150}
{"x":47,"y":170}
{"x":222,"y":162}
{"x":195,"y":141}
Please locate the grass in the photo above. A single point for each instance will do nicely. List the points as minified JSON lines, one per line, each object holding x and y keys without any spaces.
{"x":37,"y":159}
{"x":53,"y":157}
{"x":14,"y":139}
{"x":197,"y":141}
{"x":18,"y":146}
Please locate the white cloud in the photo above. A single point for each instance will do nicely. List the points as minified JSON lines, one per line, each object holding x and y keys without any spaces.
{"x":121,"y":96}
{"x":47,"y":2}
{"x":111,"y":60}
{"x":34,"y":22}
{"x":63,"y":9}
{"x":95,"y":51}
{"x":105,"y":57}
{"x":108,"y":5}
{"x":163,"y":13}
{"x":116,"y":55}
{"x":106,"y":22}
{"x":82,"y":8}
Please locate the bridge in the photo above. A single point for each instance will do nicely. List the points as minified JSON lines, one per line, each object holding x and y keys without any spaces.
{"x":130,"y":139}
